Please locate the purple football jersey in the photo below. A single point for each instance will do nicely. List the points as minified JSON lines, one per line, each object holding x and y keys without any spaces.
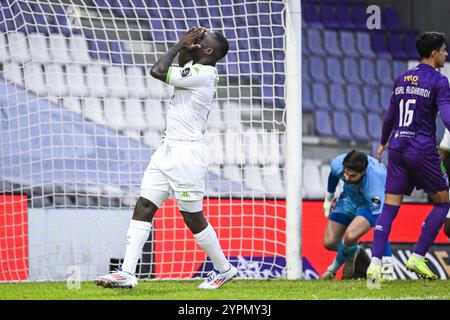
{"x":410,"y":121}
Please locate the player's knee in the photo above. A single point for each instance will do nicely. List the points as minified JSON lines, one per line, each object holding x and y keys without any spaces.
{"x":195,"y":221}
{"x":144,"y":210}
{"x":351,"y":238}
{"x":330,"y":243}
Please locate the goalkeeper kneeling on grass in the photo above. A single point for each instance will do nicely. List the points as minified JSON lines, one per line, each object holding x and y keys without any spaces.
{"x":356,"y":210}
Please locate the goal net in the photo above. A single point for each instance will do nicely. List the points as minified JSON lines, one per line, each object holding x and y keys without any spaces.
{"x":81,"y":117}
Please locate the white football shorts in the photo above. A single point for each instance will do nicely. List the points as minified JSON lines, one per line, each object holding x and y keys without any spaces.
{"x":177,"y":169}
{"x":445,"y":142}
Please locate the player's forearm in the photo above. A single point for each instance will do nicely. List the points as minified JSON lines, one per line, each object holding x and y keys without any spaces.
{"x":387,"y":126}
{"x":183,"y":57}
{"x":332,"y":183}
{"x":386,"y":132}
{"x":161,"y":67}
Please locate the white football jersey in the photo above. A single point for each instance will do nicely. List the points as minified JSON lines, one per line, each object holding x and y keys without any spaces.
{"x":445,"y":142}
{"x":194,"y":89}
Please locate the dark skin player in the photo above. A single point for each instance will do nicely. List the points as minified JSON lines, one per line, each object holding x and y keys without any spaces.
{"x":202,"y":47}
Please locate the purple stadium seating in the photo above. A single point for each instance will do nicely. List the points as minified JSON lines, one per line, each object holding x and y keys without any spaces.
{"x":371,"y":99}
{"x":231,"y":64}
{"x":310,"y":15}
{"x":322,"y":123}
{"x":363,"y":44}
{"x":157,"y":30}
{"x":359,"y":16}
{"x":328,"y":16}
{"x":307,"y":104}
{"x":399,"y":67}
{"x":358,"y":126}
{"x":54,"y":134}
{"x":385,"y":96}
{"x":331,"y":43}
{"x":314,"y":41}
{"x":339,"y":101}
{"x":384,"y":72}
{"x":334,"y":70}
{"x":320,"y":96}
{"x":379,"y":44}
{"x":103,"y":4}
{"x":409,"y":44}
{"x":305,"y":69}
{"x":117,"y":53}
{"x":317,"y":67}
{"x":348,"y":44}
{"x":374,"y":126}
{"x":226,"y":11}
{"x":391,"y":20}
{"x":23,"y":16}
{"x":134,"y":9}
{"x":98,"y":49}
{"x":273,"y":96}
{"x":305,"y":48}
{"x":39,"y":20}
{"x":7,"y":22}
{"x":344,"y":17}
{"x":170,"y":30}
{"x":57,"y":20}
{"x":367,"y":72}
{"x":354,"y":98}
{"x":351,"y":71}
{"x":244,"y":68}
{"x":341,"y":126}
{"x":394,"y":41}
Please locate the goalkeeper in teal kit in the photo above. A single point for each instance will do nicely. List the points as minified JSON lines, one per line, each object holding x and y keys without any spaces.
{"x":356,"y":210}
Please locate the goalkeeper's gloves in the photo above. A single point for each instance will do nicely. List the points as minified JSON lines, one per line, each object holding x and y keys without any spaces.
{"x":328,"y":203}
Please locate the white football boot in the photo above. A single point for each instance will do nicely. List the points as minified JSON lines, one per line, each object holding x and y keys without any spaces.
{"x":117,"y":279}
{"x":387,"y":272}
{"x":215,"y":279}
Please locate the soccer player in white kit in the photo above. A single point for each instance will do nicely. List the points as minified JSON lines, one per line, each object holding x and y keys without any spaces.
{"x":180,"y":164}
{"x":444,"y":152}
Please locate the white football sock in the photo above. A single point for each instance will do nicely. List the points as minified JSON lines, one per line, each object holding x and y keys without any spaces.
{"x":386,"y":260}
{"x":137,"y":234}
{"x":207,"y":239}
{"x":376,"y":261}
{"x":418,"y":256}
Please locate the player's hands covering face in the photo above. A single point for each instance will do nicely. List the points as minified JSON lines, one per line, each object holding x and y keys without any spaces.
{"x":192,"y":38}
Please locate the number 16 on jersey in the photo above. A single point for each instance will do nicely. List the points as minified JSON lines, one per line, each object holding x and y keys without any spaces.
{"x":406,"y":112}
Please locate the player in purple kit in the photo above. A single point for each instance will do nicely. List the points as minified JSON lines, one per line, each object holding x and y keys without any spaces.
{"x":410,"y":128}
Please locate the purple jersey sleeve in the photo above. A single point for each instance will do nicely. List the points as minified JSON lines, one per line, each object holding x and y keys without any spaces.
{"x":443,"y":100}
{"x":388,"y":122}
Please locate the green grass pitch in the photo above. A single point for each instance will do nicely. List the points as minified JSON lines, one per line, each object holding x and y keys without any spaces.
{"x":234,"y":290}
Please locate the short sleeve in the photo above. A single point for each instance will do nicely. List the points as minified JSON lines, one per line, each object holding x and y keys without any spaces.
{"x":336,"y":167}
{"x":189,"y":76}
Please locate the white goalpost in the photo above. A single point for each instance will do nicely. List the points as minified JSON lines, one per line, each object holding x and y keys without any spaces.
{"x":80,"y":117}
{"x":294,"y":140}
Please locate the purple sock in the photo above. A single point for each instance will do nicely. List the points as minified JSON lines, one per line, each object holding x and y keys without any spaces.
{"x":383,"y":229}
{"x":431,"y":227}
